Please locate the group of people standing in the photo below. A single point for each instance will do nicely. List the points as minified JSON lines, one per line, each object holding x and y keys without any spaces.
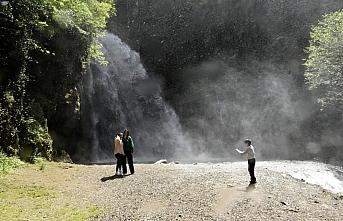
{"x":123,"y":151}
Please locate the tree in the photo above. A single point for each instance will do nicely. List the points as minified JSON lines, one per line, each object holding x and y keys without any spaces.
{"x":89,"y":17}
{"x":28,"y":32}
{"x":324,"y":65}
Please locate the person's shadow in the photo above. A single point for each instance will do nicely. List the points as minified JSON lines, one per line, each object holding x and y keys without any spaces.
{"x":251,"y":187}
{"x":104,"y":179}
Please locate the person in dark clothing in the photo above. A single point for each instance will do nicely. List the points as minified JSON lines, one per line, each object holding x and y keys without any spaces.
{"x":128,"y":151}
{"x":249,"y":152}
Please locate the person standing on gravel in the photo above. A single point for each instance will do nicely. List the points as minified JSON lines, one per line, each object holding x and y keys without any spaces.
{"x":119,"y":154}
{"x":128,"y":151}
{"x":249,"y":152}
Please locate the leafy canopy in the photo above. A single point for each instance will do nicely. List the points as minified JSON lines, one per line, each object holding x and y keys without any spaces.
{"x":324,"y":66}
{"x":89,"y":17}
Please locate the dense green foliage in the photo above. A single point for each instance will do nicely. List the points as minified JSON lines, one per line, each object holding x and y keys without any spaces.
{"x":8,"y":163}
{"x":324,"y":66}
{"x":45,"y":46}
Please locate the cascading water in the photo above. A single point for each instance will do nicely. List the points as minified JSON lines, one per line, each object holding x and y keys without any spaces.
{"x":121,"y":94}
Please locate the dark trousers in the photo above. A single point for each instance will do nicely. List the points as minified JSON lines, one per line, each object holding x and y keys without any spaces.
{"x":129,"y":157}
{"x":120,"y":161}
{"x":251,"y":169}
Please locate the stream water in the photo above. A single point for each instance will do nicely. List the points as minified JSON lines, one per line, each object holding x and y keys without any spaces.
{"x":327,"y":176}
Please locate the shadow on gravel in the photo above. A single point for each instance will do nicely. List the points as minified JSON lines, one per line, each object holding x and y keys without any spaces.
{"x":104,"y":179}
{"x":251,"y":187}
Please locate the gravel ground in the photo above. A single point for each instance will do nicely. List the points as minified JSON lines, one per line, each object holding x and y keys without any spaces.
{"x":190,"y":192}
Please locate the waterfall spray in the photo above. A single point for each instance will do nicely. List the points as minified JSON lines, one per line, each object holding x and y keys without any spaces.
{"x":122,"y":94}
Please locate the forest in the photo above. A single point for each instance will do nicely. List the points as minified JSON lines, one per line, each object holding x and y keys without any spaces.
{"x":225,"y":70}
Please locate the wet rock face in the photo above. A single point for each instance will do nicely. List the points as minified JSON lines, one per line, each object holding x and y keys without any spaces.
{"x":234,"y":69}
{"x":170,"y":35}
{"x":121,"y":95}
{"x":53,"y":88}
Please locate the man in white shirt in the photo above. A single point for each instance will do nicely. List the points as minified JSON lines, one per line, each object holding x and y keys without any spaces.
{"x":250,"y":154}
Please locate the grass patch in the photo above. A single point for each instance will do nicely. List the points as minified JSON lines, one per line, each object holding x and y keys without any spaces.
{"x":71,"y":213}
{"x":41,"y":162}
{"x":38,"y":203}
{"x":22,"y":200}
{"x":7,"y":164}
{"x":21,"y":192}
{"x":19,"y":202}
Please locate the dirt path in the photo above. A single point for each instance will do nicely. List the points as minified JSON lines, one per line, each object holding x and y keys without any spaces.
{"x":181,"y":192}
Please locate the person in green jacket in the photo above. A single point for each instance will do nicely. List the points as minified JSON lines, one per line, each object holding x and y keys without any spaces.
{"x":128,"y":150}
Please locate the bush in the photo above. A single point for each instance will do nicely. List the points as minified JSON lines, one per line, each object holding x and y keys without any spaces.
{"x":9,"y":115}
{"x":36,"y":141}
{"x":8,"y":163}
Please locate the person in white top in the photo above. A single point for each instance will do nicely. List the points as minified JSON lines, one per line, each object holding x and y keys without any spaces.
{"x":119,"y":153}
{"x":249,"y":152}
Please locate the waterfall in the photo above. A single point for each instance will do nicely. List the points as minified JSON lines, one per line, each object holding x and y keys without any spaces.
{"x":122,"y":95}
